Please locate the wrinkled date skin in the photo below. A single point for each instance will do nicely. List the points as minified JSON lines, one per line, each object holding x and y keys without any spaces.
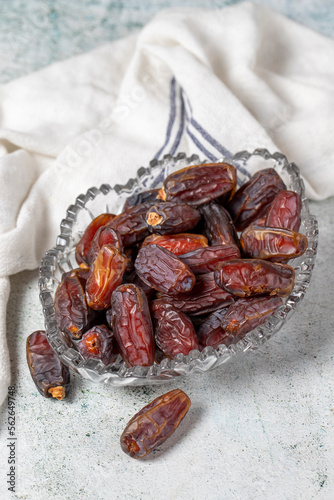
{"x":210,"y":331}
{"x":200,"y":184}
{"x":139,"y":198}
{"x":219,"y":226}
{"x":105,"y":275}
{"x":253,"y":198}
{"x":51,"y":376}
{"x":156,"y":422}
{"x":248,"y":277}
{"x":136,"y":280}
{"x":170,"y":217}
{"x":163,"y":271}
{"x":83,"y":247}
{"x":179,"y":243}
{"x":246,"y":314}
{"x":205,"y":297}
{"x":106,"y":235}
{"x":131,"y":224}
{"x":174,"y":331}
{"x":73,"y":315}
{"x":132,"y":325}
{"x":98,"y":343}
{"x":205,"y":260}
{"x":272,"y":243}
{"x":285,"y":211}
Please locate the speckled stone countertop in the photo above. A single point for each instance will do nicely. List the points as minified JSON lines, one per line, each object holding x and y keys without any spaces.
{"x":260,"y":427}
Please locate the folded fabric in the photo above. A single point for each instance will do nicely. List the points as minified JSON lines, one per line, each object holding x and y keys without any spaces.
{"x":210,"y":82}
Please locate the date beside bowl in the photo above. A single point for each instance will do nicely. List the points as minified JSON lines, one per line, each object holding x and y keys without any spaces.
{"x":106,"y":199}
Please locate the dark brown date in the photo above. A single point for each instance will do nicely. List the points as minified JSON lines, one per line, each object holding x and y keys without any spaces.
{"x":98,"y":343}
{"x":178,"y":244}
{"x":154,"y":423}
{"x":73,"y":315}
{"x":285,"y":211}
{"x":51,"y":376}
{"x":173,"y":330}
{"x":131,"y":224}
{"x":200,"y":184}
{"x":105,"y":275}
{"x":205,"y":297}
{"x":83,"y":247}
{"x":105,"y":235}
{"x":272,"y":243}
{"x":163,"y":271}
{"x":132,"y":325}
{"x":210,"y":331}
{"x":205,"y":260}
{"x":171,"y":217}
{"x":136,"y":280}
{"x":248,"y":277}
{"x":219,"y":226}
{"x":138,"y":198}
{"x":252,"y":200}
{"x":246,"y":314}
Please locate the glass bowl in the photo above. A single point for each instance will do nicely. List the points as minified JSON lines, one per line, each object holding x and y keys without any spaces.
{"x":87,"y":206}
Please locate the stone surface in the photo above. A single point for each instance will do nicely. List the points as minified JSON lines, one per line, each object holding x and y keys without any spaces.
{"x":260,"y":427}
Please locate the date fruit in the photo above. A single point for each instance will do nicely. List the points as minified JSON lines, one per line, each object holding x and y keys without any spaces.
{"x":285,"y":211}
{"x":252,"y":200}
{"x":200,"y":184}
{"x":205,"y":297}
{"x":219,"y":226}
{"x":246,"y":314}
{"x":179,"y":243}
{"x":51,"y":376}
{"x":105,"y":275}
{"x":173,"y":330}
{"x":163,"y":271}
{"x":205,"y":260}
{"x":131,"y":224}
{"x":83,"y":247}
{"x":168,"y":218}
{"x":73,"y":315}
{"x":154,"y":423}
{"x":105,"y":235}
{"x":98,"y":343}
{"x":210,"y":331}
{"x":272,"y":243}
{"x":132,"y":325}
{"x":248,"y":277}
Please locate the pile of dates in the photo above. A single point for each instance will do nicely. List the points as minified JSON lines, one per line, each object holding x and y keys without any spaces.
{"x":196,"y":263}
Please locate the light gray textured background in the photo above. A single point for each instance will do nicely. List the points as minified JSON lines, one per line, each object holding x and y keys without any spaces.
{"x":260,"y":427}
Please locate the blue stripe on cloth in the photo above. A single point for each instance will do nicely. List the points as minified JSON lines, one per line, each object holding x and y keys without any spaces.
{"x":172,"y":114}
{"x":181,"y":127}
{"x":201,"y":147}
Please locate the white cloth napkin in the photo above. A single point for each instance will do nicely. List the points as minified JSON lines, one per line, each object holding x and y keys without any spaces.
{"x":211,"y":82}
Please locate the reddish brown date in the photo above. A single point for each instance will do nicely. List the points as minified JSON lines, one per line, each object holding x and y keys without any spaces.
{"x":205,"y":297}
{"x":72,"y":312}
{"x":105,"y":235}
{"x":205,"y":260}
{"x":138,"y":198}
{"x":179,"y":243}
{"x":246,"y":314}
{"x":200,"y":184}
{"x":131,"y":224}
{"x":132,"y":325}
{"x":252,"y":200}
{"x":163,"y":271}
{"x":51,"y":376}
{"x":173,"y":330}
{"x":272,"y":243}
{"x":219,"y":227}
{"x":171,"y":217}
{"x":156,"y":422}
{"x":98,"y":343}
{"x":285,"y":211}
{"x":83,"y":247}
{"x":210,"y":331}
{"x":105,"y":275}
{"x":248,"y":277}
{"x":136,"y":280}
